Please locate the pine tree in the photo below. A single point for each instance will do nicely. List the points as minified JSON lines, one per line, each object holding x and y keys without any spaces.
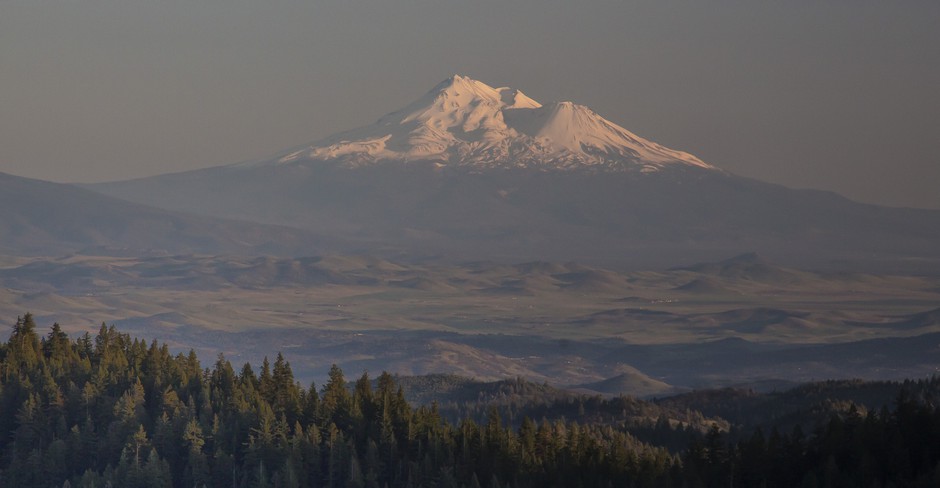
{"x":336,"y":401}
{"x":286,"y":393}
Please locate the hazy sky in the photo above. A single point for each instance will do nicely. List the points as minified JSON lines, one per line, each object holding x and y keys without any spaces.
{"x":841,"y":95}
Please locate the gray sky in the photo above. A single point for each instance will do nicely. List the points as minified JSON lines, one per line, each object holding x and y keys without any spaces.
{"x":841,"y":95}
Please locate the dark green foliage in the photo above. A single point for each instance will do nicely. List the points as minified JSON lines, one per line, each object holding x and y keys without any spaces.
{"x":880,"y":449}
{"x":111,"y":410}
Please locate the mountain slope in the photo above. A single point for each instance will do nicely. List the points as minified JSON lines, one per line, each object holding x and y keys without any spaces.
{"x":470,"y":171}
{"x":39,"y":217}
{"x":465,"y":123}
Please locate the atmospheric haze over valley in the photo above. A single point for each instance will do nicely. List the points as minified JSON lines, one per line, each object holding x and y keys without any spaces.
{"x":479,"y":232}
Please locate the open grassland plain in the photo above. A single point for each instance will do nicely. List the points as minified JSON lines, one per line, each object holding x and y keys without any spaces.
{"x":742,"y":320}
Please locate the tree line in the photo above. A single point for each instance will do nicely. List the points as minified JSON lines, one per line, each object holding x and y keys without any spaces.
{"x":111,"y":410}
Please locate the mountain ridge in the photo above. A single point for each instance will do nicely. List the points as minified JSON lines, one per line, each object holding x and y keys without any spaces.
{"x":40,"y":217}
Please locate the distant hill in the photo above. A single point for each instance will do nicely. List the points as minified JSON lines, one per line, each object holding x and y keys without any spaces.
{"x":750,"y":267}
{"x":39,"y":217}
{"x":805,"y":404}
{"x":632,"y":382}
{"x":459,"y":397}
{"x":704,"y":286}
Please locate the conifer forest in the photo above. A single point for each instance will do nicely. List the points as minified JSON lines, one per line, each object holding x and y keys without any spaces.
{"x":112,"y":410}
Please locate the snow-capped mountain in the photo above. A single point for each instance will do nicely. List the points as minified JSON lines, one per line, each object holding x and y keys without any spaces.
{"x":473,"y":172}
{"x":465,"y":123}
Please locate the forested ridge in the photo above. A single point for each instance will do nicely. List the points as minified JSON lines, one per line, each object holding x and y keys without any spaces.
{"x":111,"y":410}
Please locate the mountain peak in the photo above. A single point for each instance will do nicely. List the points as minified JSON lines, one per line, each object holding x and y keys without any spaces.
{"x":456,"y":82}
{"x":463,"y":87}
{"x":463,"y":122}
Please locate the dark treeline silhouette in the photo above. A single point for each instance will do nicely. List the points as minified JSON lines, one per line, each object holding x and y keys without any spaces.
{"x":112,"y":410}
{"x":109,"y":410}
{"x":881,"y":449}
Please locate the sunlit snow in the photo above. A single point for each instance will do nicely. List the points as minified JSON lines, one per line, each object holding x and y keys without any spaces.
{"x":463,"y":122}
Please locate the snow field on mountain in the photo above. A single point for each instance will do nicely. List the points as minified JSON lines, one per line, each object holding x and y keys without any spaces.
{"x":466,"y":123}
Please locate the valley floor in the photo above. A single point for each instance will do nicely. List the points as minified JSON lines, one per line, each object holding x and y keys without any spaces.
{"x":744,"y":320}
